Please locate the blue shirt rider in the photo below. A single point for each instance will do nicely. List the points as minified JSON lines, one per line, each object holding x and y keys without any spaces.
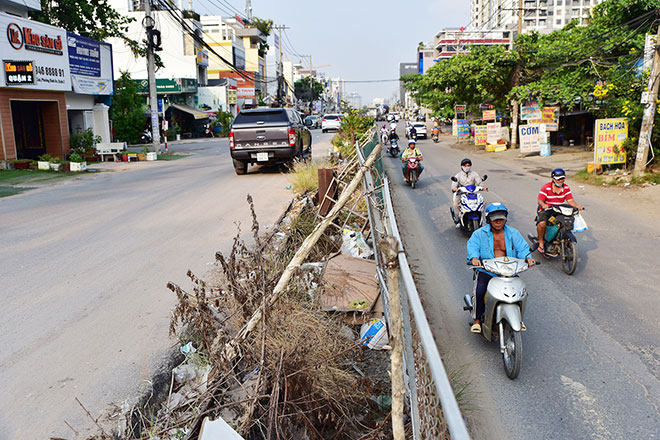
{"x":493,"y":240}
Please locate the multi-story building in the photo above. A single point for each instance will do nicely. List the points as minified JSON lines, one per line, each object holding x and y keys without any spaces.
{"x":541,"y":15}
{"x":336,"y":93}
{"x":354,"y":99}
{"x":450,"y":41}
{"x":232,"y":39}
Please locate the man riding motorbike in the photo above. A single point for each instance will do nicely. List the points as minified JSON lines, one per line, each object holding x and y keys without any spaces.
{"x":464,"y":178}
{"x":412,"y":133}
{"x":555,"y":192}
{"x":435,"y":132}
{"x":495,"y":239}
{"x":411,"y":151}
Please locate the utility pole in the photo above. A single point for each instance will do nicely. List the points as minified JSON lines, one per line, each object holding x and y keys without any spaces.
{"x":649,"y":112}
{"x":516,"y":79}
{"x":248,"y":10}
{"x":280,"y":75}
{"x":311,"y":85}
{"x":148,"y":24}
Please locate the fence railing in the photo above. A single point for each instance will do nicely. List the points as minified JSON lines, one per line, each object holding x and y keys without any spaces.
{"x":433,"y":407}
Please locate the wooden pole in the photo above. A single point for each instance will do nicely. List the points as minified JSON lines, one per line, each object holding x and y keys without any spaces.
{"x":229,"y":350}
{"x":390,"y":247}
{"x":646,"y":130}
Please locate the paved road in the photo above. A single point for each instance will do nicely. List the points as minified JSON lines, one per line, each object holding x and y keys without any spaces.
{"x":591,"y":367}
{"x":84,"y":268}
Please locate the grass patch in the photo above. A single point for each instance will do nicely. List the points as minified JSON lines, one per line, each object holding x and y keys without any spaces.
{"x":171,"y":156}
{"x":22,"y":177}
{"x":618,"y":179}
{"x":304,"y":176}
{"x":6,"y":191}
{"x":648,"y":177}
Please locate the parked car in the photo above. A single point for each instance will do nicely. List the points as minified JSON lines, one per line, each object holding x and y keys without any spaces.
{"x":331,"y":121}
{"x":420,"y":127}
{"x":268,"y":135}
{"x":312,"y":121}
{"x":421,"y":117}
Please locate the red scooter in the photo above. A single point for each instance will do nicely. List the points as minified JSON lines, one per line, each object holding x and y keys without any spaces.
{"x":412,"y":170}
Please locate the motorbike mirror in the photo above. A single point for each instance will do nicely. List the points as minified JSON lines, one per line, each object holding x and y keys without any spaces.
{"x":454,"y":179}
{"x":485,"y":177}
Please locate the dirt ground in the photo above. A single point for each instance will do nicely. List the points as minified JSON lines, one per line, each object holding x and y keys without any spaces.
{"x":644,"y":200}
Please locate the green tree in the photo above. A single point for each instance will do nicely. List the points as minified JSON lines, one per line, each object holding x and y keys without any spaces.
{"x":127,"y":111}
{"x":303,"y":90}
{"x":94,"y":19}
{"x":265,"y":26}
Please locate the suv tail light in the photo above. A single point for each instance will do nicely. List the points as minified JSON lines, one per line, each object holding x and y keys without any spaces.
{"x":231,"y":140}
{"x":292,"y":137}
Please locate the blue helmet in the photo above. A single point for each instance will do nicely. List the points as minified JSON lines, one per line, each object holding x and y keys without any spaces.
{"x":496,"y":211}
{"x":558,"y":173}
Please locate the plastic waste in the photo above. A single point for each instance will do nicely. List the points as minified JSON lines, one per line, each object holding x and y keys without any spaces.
{"x":579,"y":224}
{"x":374,"y":334}
{"x":354,"y":245}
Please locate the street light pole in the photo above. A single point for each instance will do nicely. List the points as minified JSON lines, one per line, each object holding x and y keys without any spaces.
{"x":646,"y":130}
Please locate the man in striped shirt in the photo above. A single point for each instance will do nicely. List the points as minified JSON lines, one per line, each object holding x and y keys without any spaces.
{"x":555,"y":192}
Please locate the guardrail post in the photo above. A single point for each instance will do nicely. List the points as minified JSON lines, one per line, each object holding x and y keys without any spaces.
{"x":390,"y":248}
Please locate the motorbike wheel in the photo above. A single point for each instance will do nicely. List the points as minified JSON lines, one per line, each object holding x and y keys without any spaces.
{"x":475,"y":225}
{"x":413,"y":179}
{"x":513,"y":351}
{"x":569,"y":259}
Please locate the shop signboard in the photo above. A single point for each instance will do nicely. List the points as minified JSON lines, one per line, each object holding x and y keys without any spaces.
{"x":480,"y":134}
{"x":529,"y":138}
{"x":530,"y":110}
{"x":461,"y":108}
{"x":42,"y":45}
{"x":231,"y":97}
{"x":608,"y":142}
{"x":489,"y":115}
{"x":90,"y":62}
{"x":165,"y":86}
{"x":454,"y":127}
{"x":246,"y":92}
{"x":463,"y":128}
{"x":493,"y":132}
{"x":549,"y":117}
{"x":18,"y":72}
{"x":201,"y":56}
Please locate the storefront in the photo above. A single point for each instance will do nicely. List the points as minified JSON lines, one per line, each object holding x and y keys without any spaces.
{"x":90,"y":62}
{"x":35,"y":77}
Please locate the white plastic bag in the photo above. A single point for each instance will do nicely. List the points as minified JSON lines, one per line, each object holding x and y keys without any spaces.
{"x":374,"y":334}
{"x":579,"y":225}
{"x":354,"y":245}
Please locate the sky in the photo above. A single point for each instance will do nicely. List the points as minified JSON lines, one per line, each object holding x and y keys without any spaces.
{"x":359,"y":39}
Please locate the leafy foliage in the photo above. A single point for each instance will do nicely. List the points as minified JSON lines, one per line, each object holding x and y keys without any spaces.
{"x":84,"y":140}
{"x":303,"y":90}
{"x":127,"y":111}
{"x":265,"y":26}
{"x":95,"y":19}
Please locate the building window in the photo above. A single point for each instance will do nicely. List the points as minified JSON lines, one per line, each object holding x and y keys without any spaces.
{"x":559,"y":22}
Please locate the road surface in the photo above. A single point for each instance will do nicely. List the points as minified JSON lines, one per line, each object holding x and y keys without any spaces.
{"x":591,"y":365}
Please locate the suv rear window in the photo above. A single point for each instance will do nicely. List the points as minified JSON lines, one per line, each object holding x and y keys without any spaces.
{"x":264,"y":116}
{"x":330,"y":117}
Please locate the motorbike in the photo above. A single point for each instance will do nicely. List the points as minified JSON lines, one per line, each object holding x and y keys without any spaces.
{"x":506,"y":298}
{"x":559,"y":238}
{"x":393,"y":149}
{"x":207,"y":130}
{"x":435,"y":137}
{"x":384,"y":137}
{"x":412,"y":171}
{"x":145,"y":137}
{"x":471,"y":208}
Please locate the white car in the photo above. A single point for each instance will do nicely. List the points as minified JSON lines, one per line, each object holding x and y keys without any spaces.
{"x":330,"y":122}
{"x":420,"y":127}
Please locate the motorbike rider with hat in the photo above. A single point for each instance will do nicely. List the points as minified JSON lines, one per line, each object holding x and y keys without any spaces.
{"x":495,"y":239}
{"x":411,"y":151}
{"x":555,"y":192}
{"x":464,"y":177}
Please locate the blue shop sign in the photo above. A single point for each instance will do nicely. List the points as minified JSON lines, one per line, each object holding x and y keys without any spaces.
{"x":84,"y":55}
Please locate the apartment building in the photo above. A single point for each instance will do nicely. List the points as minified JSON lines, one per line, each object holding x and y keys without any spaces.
{"x":450,"y":41}
{"x":540,"y":15}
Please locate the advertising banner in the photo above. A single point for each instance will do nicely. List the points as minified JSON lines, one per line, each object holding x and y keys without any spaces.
{"x":493,"y":132}
{"x":245,"y":92}
{"x":530,"y":110}
{"x":90,"y":62}
{"x":549,"y":117}
{"x":460,"y":108}
{"x":18,"y":72}
{"x":463,"y":128}
{"x":608,"y":141}
{"x":40,"y":44}
{"x":480,"y":134}
{"x":489,"y":115}
{"x":529,"y":138}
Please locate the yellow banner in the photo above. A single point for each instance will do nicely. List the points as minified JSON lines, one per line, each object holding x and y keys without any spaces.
{"x":480,"y":134}
{"x":608,"y":141}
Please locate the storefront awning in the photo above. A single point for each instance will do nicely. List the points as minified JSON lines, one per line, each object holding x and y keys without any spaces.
{"x":197,"y":114}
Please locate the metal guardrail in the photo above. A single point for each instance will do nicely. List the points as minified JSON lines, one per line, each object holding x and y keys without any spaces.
{"x":433,"y":407}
